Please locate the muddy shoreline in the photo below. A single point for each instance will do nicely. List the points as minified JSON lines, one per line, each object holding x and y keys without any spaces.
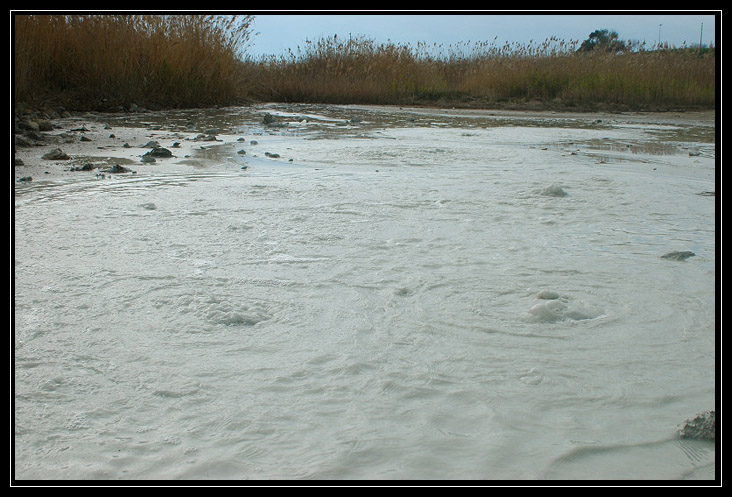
{"x":92,"y":144}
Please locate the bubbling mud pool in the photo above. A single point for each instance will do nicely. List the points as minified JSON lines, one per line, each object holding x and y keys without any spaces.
{"x":370,"y":293}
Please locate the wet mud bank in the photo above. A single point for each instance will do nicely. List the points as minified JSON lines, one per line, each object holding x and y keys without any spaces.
{"x":50,"y":146}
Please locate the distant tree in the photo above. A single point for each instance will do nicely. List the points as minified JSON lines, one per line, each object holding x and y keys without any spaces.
{"x":603,"y":39}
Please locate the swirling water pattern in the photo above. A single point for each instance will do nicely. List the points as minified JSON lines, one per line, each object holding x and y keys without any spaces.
{"x":415,"y":303}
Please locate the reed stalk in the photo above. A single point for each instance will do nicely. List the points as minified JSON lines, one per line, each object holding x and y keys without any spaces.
{"x":97,"y":61}
{"x":88,"y":61}
{"x":553,"y":72}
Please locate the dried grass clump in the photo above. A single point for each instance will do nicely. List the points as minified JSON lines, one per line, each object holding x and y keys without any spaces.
{"x":358,"y":70}
{"x":95,"y":60}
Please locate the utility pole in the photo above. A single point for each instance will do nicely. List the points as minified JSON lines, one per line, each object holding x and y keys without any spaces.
{"x":700,"y":36}
{"x":659,"y":35}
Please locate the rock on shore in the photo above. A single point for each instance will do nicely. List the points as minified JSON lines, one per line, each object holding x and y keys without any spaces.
{"x":48,"y":145}
{"x":701,"y":427}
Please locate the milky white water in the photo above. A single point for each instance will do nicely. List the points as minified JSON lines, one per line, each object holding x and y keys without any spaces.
{"x":415,"y":295}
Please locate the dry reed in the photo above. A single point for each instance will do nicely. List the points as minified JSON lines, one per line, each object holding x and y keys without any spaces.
{"x":96,"y":61}
{"x":553,"y":72}
{"x":90,"y":61}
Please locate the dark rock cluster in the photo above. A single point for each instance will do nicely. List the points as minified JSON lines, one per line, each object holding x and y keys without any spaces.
{"x":701,"y":427}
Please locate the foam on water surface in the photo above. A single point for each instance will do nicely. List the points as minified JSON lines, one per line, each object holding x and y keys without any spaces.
{"x":410,"y":297}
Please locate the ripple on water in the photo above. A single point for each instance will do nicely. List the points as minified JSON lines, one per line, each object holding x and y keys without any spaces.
{"x":225,"y":311}
{"x":659,"y":460}
{"x":444,"y":317}
{"x":553,"y":191}
{"x":195,"y":312}
{"x":553,"y":308}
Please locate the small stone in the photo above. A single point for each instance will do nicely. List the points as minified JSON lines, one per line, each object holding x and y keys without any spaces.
{"x":56,"y":154}
{"x":29,"y":125}
{"x":160,"y":152}
{"x":678,"y":256}
{"x":554,"y":191}
{"x":45,"y":126}
{"x":117,"y":169}
{"x":547,"y":295}
{"x":23,"y":141}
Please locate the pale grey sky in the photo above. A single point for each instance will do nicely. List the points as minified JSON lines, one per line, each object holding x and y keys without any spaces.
{"x":275,"y":33}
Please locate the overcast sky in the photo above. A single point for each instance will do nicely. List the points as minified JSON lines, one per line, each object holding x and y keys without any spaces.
{"x":275,"y":33}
